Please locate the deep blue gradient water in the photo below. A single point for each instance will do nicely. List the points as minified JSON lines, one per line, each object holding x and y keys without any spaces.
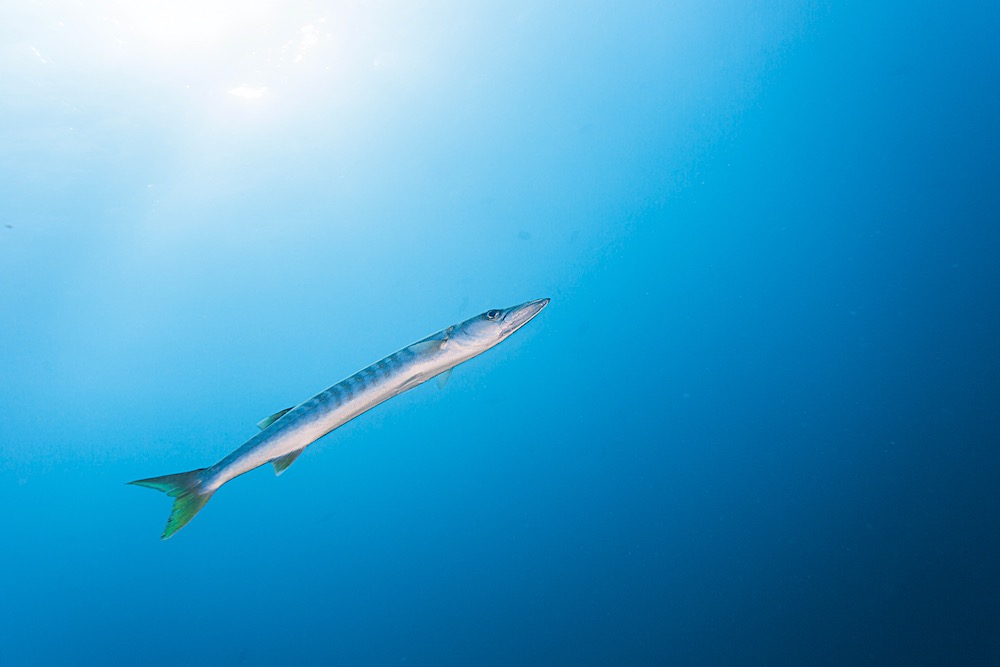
{"x":759,"y":423}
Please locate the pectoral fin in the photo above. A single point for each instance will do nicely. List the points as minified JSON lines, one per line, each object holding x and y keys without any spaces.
{"x":428,"y":346}
{"x":282,"y":462}
{"x":267,"y":421}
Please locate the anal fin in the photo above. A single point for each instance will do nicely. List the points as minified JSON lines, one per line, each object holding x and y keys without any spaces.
{"x":442,"y":378}
{"x":282,"y":462}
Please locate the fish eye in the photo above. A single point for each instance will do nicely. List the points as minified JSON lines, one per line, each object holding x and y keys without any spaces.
{"x":492,"y":314}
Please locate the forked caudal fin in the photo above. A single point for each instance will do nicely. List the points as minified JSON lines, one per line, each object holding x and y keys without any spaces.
{"x":185,"y":488}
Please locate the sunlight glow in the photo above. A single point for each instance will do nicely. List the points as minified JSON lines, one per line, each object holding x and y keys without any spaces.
{"x":186,"y":25}
{"x":39,"y":55}
{"x":249,"y":93}
{"x":308,"y":39}
{"x":243,"y":49}
{"x":230,"y":66}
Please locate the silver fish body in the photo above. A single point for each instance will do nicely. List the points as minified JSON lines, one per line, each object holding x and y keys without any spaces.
{"x":286,"y":434}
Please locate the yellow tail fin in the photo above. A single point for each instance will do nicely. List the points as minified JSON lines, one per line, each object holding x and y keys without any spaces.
{"x":185,"y":488}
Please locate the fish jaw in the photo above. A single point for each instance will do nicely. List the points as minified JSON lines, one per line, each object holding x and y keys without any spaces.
{"x":517,"y":316}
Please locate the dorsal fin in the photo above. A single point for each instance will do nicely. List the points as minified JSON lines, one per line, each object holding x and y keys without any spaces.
{"x":267,"y":421}
{"x":282,"y":462}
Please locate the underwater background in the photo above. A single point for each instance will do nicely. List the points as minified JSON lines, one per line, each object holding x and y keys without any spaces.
{"x":757,"y":425}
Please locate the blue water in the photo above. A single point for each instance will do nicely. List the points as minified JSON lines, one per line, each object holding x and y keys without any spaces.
{"x":757,"y":425}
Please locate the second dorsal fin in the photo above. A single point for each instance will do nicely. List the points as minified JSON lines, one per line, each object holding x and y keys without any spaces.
{"x":267,"y":421}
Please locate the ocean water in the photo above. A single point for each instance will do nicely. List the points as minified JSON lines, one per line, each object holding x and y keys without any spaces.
{"x":758,"y":424}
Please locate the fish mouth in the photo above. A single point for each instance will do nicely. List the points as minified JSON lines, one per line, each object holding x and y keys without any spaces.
{"x":517,"y":316}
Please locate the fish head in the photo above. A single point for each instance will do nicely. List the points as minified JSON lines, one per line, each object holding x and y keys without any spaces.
{"x":492,"y":327}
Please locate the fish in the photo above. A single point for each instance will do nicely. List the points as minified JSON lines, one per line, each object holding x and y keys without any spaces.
{"x":284,"y":435}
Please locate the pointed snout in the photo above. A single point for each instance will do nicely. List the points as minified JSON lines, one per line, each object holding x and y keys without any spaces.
{"x":517,"y":316}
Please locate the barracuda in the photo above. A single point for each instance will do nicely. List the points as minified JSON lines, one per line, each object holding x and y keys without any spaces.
{"x":285,"y":434}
